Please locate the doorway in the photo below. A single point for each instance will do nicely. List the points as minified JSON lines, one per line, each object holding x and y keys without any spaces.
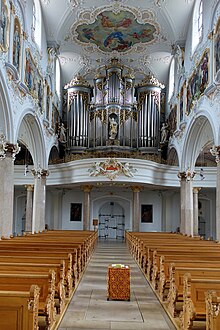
{"x":111,"y":221}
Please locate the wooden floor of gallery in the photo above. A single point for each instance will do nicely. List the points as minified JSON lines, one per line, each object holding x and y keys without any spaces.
{"x":89,"y":308}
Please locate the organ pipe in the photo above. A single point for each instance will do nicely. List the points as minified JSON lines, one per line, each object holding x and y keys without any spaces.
{"x":119,"y":115}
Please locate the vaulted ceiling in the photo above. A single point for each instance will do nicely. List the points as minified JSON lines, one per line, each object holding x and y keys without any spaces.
{"x":139,"y":33}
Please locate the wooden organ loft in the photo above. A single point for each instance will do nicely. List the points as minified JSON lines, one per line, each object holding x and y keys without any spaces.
{"x":114,"y":114}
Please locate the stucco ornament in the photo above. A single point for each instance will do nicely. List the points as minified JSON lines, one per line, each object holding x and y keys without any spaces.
{"x":111,"y":168}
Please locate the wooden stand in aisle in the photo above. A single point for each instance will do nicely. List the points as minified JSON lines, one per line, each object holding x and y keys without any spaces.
{"x":118,"y":282}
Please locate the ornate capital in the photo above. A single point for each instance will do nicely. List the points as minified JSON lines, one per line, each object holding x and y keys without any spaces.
{"x":29,"y":187}
{"x":186,"y":176}
{"x":136,"y":189}
{"x":87,"y":188}
{"x":8,"y":148}
{"x":196,"y":190}
{"x":215,"y":151}
{"x":39,"y":173}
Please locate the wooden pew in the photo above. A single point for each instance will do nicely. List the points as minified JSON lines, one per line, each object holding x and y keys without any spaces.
{"x":153,"y":265}
{"x":19,"y":309}
{"x":14,"y":281}
{"x":74,"y":249}
{"x":46,"y":257}
{"x":65,"y":281}
{"x":212,"y":310}
{"x":181,"y":260}
{"x":176,"y":282}
{"x":32,"y":255}
{"x":194,"y":305}
{"x":33,"y":268}
{"x":51,"y":248}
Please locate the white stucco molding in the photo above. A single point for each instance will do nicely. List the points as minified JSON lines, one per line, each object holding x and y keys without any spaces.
{"x":77,"y":172}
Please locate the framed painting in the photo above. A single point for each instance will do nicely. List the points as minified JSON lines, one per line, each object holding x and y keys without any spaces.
{"x":217,"y":48}
{"x":4,"y":26}
{"x":75,"y":212}
{"x":147,"y":213}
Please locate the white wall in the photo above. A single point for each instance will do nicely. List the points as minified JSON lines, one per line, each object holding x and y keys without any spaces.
{"x":68,"y":198}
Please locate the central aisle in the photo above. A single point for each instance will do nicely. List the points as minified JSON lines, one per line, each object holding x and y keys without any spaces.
{"x":89,"y":308}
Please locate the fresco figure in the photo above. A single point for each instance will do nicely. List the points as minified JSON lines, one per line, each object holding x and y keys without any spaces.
{"x":40,"y":93}
{"x":28,"y":72}
{"x":120,"y":31}
{"x":204,"y":68}
{"x":16,"y":47}
{"x":217,"y":51}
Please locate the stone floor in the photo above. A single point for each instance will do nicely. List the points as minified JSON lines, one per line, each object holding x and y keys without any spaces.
{"x":89,"y":308}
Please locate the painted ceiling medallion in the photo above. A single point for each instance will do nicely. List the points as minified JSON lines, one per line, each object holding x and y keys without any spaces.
{"x":116,"y":31}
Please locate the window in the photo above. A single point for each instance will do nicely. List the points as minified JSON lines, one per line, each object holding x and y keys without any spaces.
{"x":36,"y":23}
{"x":58,"y":77}
{"x":171,"y":79}
{"x":197,"y":24}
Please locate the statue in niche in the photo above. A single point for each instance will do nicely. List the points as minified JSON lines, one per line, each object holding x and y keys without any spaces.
{"x":62,"y":137}
{"x":180,"y":58}
{"x":113,"y":128}
{"x":164,"y":133}
{"x":16,"y":46}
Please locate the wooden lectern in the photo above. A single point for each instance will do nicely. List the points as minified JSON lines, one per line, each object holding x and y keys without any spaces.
{"x":118,"y":282}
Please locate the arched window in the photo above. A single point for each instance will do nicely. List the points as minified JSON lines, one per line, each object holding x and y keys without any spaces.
{"x":197,"y":24}
{"x":58,"y":77}
{"x":36,"y":23}
{"x":171,"y":79}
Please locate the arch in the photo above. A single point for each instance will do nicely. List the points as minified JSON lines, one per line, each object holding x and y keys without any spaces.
{"x":173,"y":157}
{"x":124,"y":202}
{"x":6,"y":117}
{"x":54,"y":154}
{"x":30,"y":133}
{"x":201,"y":130}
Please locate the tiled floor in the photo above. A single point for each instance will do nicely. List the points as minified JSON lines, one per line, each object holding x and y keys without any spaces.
{"x":89,"y":308}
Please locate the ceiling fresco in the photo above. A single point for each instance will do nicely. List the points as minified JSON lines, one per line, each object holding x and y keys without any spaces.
{"x":142,"y":34}
{"x":116,"y":31}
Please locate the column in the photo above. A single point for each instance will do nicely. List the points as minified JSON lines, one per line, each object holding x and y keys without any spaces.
{"x":39,"y":202}
{"x":29,"y":207}
{"x":136,"y":208}
{"x":7,"y":157}
{"x":215,"y":151}
{"x":186,"y":201}
{"x":86,"y":207}
{"x":195,"y":211}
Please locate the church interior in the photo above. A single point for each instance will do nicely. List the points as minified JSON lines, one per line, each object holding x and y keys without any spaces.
{"x":110,"y":139}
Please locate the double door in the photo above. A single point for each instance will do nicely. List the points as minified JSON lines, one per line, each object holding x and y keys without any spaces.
{"x":111,"y":221}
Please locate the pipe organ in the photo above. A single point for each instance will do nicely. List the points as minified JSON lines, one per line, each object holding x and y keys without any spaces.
{"x":114,"y":114}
